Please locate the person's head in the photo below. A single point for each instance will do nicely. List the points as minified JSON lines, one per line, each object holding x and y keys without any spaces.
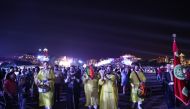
{"x":33,"y":69}
{"x":168,"y":67}
{"x":56,"y":67}
{"x":37,"y":69}
{"x":16,"y":69}
{"x":117,"y":67}
{"x":45,"y":65}
{"x":19,"y":70}
{"x":11,"y":69}
{"x":102,"y":68}
{"x":68,"y":69}
{"x":109,"y":69}
{"x":132,"y":68}
{"x":72,"y":70}
{"x":137,"y":68}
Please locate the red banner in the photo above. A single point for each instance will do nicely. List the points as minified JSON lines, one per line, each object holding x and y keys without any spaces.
{"x":180,"y":89}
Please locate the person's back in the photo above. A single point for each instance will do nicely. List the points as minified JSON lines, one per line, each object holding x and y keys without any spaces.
{"x":169,"y":88}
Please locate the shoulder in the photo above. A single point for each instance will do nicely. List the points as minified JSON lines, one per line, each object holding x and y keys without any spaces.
{"x":40,"y":72}
{"x":112,"y":75}
{"x":132,"y":73}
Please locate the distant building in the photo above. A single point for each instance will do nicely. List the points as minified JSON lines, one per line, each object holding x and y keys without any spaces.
{"x":128,"y":59}
{"x":27,"y":57}
{"x":68,"y":61}
{"x":163,"y":59}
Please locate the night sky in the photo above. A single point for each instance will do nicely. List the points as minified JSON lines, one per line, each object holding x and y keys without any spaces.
{"x":94,"y":29}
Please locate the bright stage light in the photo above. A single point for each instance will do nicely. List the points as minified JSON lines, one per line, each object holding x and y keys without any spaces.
{"x":104,"y":62}
{"x":126,"y":56}
{"x":40,"y":50}
{"x":127,"y":62}
{"x":84,"y":66}
{"x":70,"y":60}
{"x":42,"y":58}
{"x":80,"y":61}
{"x":65,"y":62}
{"x":45,"y":50}
{"x":96,"y":65}
{"x":39,"y":57}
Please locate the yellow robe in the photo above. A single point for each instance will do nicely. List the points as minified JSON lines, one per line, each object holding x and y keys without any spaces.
{"x":91,"y":90}
{"x":135,"y":84}
{"x":46,"y":99}
{"x":109,"y":93}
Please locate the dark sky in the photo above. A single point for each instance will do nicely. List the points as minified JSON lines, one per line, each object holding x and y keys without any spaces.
{"x":94,"y":29}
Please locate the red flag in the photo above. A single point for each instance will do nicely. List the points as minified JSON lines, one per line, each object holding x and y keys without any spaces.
{"x":91,"y":72}
{"x":180,"y":89}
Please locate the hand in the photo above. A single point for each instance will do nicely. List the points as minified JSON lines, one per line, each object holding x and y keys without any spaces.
{"x":132,"y":85}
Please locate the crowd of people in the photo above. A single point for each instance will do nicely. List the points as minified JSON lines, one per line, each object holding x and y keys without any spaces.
{"x":165,"y":75}
{"x":101,"y":85}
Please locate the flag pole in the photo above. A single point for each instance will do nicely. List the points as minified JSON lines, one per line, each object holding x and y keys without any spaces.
{"x":174,"y":36}
{"x":174,"y":39}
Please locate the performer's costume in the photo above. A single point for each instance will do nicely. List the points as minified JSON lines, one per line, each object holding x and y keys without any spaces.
{"x":109,"y":93}
{"x":47,"y":77}
{"x":134,"y":81}
{"x":90,"y":80}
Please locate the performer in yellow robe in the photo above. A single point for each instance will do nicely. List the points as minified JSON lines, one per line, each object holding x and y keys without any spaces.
{"x":109,"y":92}
{"x":90,"y":80}
{"x":134,"y":81}
{"x":46,"y":76}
